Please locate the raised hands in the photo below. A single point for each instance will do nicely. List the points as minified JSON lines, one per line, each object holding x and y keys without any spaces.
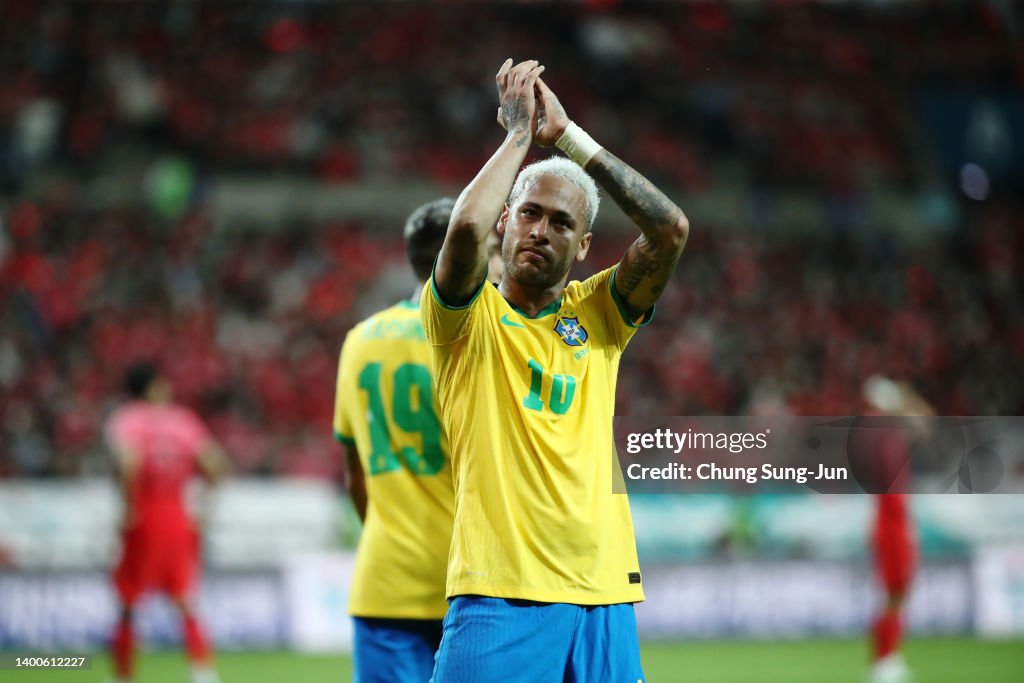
{"x":527,"y":103}
{"x":551,"y":117}
{"x":517,"y":110}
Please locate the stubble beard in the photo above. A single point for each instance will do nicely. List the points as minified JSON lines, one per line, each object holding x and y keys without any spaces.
{"x":543,"y":277}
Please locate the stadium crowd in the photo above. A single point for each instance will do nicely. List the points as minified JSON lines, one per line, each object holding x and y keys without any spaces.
{"x":248,"y":323}
{"x":780,"y":96}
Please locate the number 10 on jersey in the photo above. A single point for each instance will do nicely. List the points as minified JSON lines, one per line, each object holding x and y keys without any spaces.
{"x":563,"y":389}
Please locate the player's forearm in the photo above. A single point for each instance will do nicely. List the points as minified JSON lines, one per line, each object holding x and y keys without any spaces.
{"x":213,"y":463}
{"x":462,"y":263}
{"x":662,"y":222}
{"x":648,"y":264}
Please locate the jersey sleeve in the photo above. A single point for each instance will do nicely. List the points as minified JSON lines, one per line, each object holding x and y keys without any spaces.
{"x":444,"y":324}
{"x":343,"y":396}
{"x":599,"y":291}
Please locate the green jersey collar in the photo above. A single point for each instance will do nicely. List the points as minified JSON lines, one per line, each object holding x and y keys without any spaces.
{"x":547,"y":310}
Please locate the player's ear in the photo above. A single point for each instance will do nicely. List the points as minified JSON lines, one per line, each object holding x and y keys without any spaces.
{"x":584,"y":247}
{"x":502,"y":220}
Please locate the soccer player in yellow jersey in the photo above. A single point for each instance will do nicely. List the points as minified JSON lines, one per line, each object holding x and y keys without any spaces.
{"x":399,"y":477}
{"x":542,"y":572}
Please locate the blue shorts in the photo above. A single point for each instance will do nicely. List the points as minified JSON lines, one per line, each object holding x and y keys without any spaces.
{"x":394,"y":650}
{"x":495,"y":639}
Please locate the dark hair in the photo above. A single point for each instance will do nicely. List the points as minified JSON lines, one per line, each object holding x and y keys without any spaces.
{"x":424,"y":234}
{"x":138,"y":378}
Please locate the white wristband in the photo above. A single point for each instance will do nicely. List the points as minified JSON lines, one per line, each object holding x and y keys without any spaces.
{"x":577,"y":145}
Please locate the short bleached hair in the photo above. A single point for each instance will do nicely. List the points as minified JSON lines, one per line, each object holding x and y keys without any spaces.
{"x":565,"y":169}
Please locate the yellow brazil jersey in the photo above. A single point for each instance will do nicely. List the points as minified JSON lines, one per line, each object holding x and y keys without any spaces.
{"x":385,"y":406}
{"x":527,"y":404}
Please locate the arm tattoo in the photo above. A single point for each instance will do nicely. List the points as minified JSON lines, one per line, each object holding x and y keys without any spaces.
{"x":638,"y":266}
{"x":634,"y":268}
{"x":639,"y":199}
{"x":648,"y":264}
{"x":513,"y":110}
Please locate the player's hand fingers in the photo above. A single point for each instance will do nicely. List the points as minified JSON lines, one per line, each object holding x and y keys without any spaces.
{"x":516,"y":70}
{"x":520,"y":72}
{"x":525,"y":85}
{"x":530,"y":83}
{"x":500,"y":119}
{"x":504,"y":69}
{"x":543,"y":89}
{"x":547,"y":96}
{"x":532,"y":76}
{"x":501,"y":78}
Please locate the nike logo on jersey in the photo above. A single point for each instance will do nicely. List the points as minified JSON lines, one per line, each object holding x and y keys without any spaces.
{"x":511,"y":323}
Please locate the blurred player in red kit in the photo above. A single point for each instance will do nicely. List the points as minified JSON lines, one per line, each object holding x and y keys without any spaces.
{"x":894,"y":541}
{"x":158,"y":448}
{"x":895,"y":551}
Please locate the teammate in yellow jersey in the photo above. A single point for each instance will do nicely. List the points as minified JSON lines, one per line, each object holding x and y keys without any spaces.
{"x":542,"y":572}
{"x":399,"y":476}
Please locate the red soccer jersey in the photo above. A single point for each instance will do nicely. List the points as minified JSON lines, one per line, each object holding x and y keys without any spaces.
{"x":166,"y":441}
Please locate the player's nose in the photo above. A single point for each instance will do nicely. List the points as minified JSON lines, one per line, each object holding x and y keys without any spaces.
{"x":539,"y":229}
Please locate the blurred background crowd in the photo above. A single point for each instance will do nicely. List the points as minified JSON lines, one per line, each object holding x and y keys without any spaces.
{"x":854,"y":176}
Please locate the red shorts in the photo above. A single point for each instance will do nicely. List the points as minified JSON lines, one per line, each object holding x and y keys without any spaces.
{"x":895,"y":556}
{"x":164,"y":560}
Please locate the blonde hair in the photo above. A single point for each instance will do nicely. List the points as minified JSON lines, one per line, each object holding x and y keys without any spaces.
{"x":564,"y":169}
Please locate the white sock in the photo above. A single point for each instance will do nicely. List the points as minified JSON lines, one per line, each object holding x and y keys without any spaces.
{"x":890,"y":669}
{"x":204,"y":674}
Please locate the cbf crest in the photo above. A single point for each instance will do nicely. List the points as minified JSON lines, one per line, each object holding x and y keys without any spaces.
{"x":570,"y":330}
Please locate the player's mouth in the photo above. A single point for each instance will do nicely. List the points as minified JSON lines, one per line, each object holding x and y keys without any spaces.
{"x":534,"y":254}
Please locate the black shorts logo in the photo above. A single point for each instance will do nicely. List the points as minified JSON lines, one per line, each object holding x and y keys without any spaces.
{"x":634,"y":577}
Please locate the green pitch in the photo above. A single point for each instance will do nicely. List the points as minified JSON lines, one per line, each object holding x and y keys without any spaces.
{"x":835,"y":661}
